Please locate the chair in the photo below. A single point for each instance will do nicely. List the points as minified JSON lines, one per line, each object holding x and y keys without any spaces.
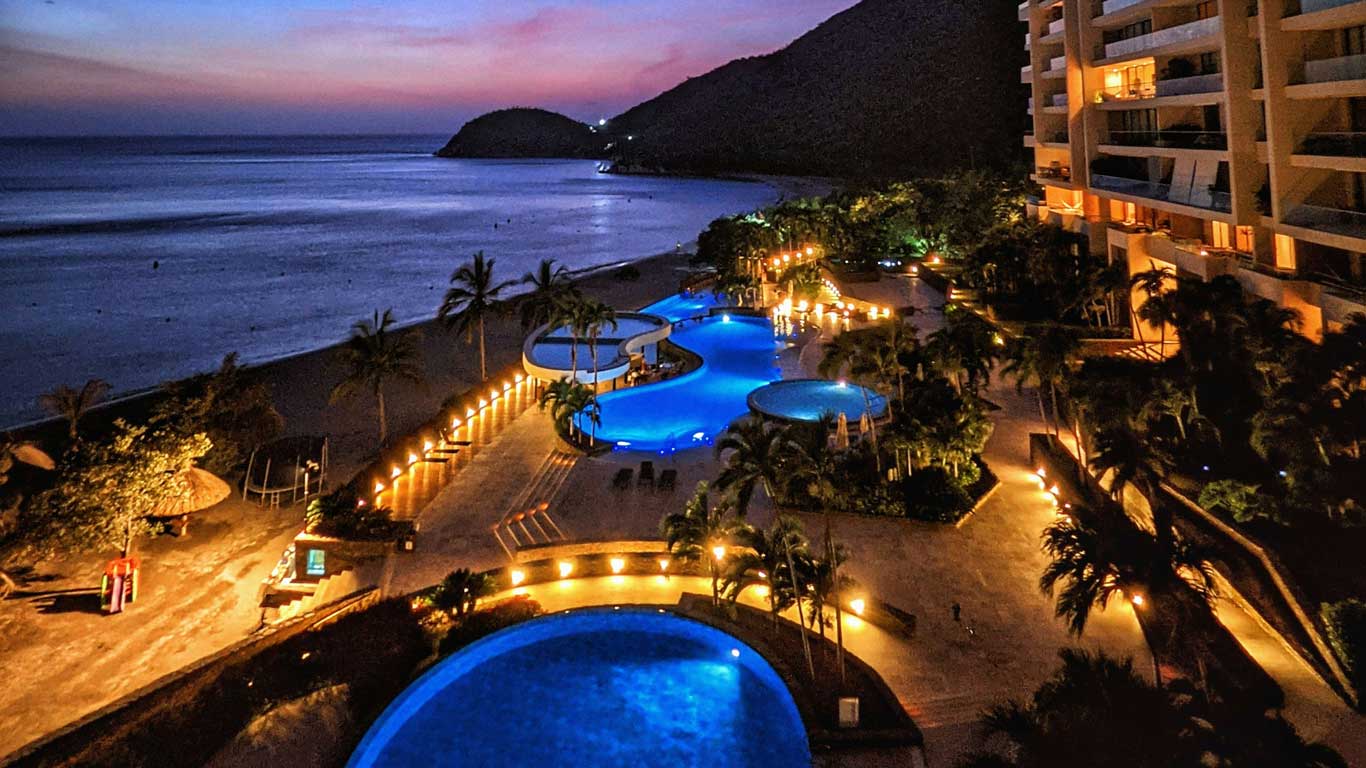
{"x":667,"y":479}
{"x":647,"y":474}
{"x":622,"y":480}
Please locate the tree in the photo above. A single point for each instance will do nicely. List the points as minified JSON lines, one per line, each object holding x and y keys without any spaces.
{"x":472,"y":298}
{"x":966,"y":345}
{"x":701,"y":532}
{"x":375,"y":355}
{"x":105,"y":490}
{"x":236,"y":413}
{"x":550,"y":286}
{"x":566,"y":399}
{"x":752,"y":450}
{"x":597,"y":316}
{"x":11,"y":452}
{"x":344,"y":515}
{"x":1094,"y":560}
{"x":1157,"y":307}
{"x":73,"y":404}
{"x":824,"y":585}
{"x":763,"y":562}
{"x":461,"y":590}
{"x":1138,"y":458}
{"x":1044,"y":355}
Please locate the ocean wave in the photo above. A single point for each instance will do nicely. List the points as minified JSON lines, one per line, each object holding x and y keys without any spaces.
{"x":155,"y":223}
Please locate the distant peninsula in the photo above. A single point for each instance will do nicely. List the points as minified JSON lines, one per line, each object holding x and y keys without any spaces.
{"x":523,"y":132}
{"x":886,"y":88}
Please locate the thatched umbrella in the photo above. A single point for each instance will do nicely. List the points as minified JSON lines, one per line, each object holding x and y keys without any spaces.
{"x":865,"y":423}
{"x":32,"y":455}
{"x":199,"y":489}
{"x":842,"y":431}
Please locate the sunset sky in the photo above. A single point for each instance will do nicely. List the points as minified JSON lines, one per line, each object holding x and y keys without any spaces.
{"x":271,"y":66}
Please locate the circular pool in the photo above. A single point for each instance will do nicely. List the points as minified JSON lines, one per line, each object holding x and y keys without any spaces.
{"x":808,"y":399}
{"x":597,"y":687}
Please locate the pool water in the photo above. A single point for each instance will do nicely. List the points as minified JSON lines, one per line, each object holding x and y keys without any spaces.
{"x":595,"y":687}
{"x":809,"y":399}
{"x":738,"y":356}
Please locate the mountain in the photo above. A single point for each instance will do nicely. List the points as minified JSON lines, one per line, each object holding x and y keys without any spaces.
{"x":885,"y":88}
{"x":522,"y":132}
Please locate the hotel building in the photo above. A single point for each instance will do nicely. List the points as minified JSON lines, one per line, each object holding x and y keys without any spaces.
{"x":1216,"y":137}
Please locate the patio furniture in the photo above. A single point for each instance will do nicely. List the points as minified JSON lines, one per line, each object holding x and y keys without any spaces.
{"x":647,"y":474}
{"x":622,"y":480}
{"x":668,"y":479}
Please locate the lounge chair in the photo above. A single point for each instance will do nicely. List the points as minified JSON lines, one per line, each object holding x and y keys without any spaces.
{"x":667,"y":479}
{"x":622,"y":481}
{"x":647,"y":474}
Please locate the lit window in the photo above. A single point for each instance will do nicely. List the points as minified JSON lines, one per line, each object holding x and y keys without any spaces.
{"x":1220,"y":234}
{"x":1285,"y":253}
{"x":317,"y":563}
{"x":1247,"y":240}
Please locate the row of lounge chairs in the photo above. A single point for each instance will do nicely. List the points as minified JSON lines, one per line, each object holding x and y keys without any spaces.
{"x":668,"y":479}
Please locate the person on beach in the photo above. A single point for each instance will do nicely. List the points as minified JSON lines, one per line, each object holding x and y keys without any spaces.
{"x":957,"y":612}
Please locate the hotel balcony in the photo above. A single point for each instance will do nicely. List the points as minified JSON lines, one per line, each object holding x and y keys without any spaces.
{"x":1181,"y":91}
{"x":1336,"y":221}
{"x":1026,"y":73}
{"x":1115,"y":6}
{"x":1151,"y":190}
{"x":1344,"y":144}
{"x":1329,"y":78}
{"x":1339,"y":300}
{"x":1190,"y":36}
{"x":1208,"y":140}
{"x":1189,"y":86}
{"x":1022,"y":13}
{"x":1057,"y":67}
{"x":1323,"y":15}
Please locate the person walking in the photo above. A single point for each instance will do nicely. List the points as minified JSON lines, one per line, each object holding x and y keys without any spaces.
{"x":957,"y":611}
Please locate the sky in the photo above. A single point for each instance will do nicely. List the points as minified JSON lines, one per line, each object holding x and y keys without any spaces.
{"x":121,"y":67}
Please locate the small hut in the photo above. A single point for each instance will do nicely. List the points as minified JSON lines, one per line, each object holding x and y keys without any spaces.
{"x":288,"y":470}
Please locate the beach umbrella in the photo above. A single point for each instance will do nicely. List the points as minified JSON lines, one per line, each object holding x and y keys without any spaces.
{"x":32,"y":455}
{"x":865,"y":423}
{"x":842,"y":431}
{"x":199,"y":489}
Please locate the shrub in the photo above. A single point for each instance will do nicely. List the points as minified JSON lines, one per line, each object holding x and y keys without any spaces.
{"x":1346,"y":623}
{"x":627,"y":274}
{"x":486,"y":621}
{"x":934,"y":495}
{"x":339,"y":514}
{"x":1243,"y":502}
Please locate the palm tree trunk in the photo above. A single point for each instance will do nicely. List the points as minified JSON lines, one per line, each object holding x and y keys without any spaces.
{"x":1057,"y":416}
{"x":797,"y":592}
{"x":1043,"y":416}
{"x":839,"y":612}
{"x":483,"y":367}
{"x":127,"y":535}
{"x":383,"y":420}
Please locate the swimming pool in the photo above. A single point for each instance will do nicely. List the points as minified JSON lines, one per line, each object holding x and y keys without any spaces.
{"x":808,"y":399}
{"x":738,"y":356}
{"x":592,"y":688}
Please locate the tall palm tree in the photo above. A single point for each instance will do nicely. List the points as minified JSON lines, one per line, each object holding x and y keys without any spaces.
{"x":73,"y":404}
{"x":550,"y":284}
{"x":1044,"y":355}
{"x":461,"y":590}
{"x":824,"y":585}
{"x":598,"y":316}
{"x":1156,"y":309}
{"x":375,"y":355}
{"x":576,"y":314}
{"x":472,"y":298}
{"x":1102,"y":557}
{"x":1138,"y":458}
{"x":753,"y":451}
{"x":701,"y":532}
{"x":763,"y":561}
{"x":566,"y":399}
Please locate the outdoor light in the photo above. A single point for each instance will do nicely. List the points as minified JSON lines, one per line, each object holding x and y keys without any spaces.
{"x":427,"y":446}
{"x":517,"y":577}
{"x":718,"y":552}
{"x":455,"y":424}
{"x":412,"y":459}
{"x":1041,"y":472}
{"x":857,"y":605}
{"x":493,"y":394}
{"x":617,"y":564}
{"x":360,"y":503}
{"x":469,"y":413}
{"x":517,"y":378}
{"x":735,"y":653}
{"x":663,"y":564}
{"x":761,"y":591}
{"x":763,"y":574}
{"x":566,"y":568}
{"x":483,"y":403}
{"x":725,"y":318}
{"x":396,"y":472}
{"x":1137,"y":600}
{"x":810,"y":250}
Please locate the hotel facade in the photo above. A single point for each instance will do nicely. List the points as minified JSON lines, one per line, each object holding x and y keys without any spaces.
{"x":1214,"y":137}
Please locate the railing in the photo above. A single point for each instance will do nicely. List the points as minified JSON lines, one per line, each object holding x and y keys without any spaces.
{"x":1340,"y":144}
{"x":1219,"y":201}
{"x":1058,"y":100}
{"x":1128,"y":92}
{"x":1185,"y":86}
{"x":1333,"y":220}
{"x":1183,"y":33}
{"x":1059,"y":137}
{"x":1335,"y":69}
{"x":1055,"y":26}
{"x":1055,"y":172}
{"x":1311,"y":6}
{"x":1115,"y":6}
{"x":1056,"y":64}
{"x":1031,"y":105}
{"x":1215,"y":140}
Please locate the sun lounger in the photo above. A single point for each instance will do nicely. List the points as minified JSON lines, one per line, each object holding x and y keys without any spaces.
{"x":647,"y":474}
{"x":667,"y":479}
{"x":622,"y":481}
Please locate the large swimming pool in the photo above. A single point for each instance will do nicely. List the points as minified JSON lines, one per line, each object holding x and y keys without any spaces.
{"x":738,"y":356}
{"x":597,"y":687}
{"x":809,"y":399}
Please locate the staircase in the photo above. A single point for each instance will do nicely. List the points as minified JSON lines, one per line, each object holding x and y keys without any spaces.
{"x":527,"y":519}
{"x":286,"y":604}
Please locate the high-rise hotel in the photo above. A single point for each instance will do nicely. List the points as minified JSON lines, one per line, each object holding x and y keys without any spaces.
{"x":1216,"y":137}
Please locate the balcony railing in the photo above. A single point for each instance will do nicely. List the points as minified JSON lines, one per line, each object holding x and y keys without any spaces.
{"x":1129,"y":92}
{"x":1115,"y":6}
{"x":1031,"y":105}
{"x":1059,"y":137}
{"x":1055,"y":26}
{"x":1061,"y":172}
{"x":1186,"y":86}
{"x":1343,"y":144}
{"x":1333,"y":220}
{"x":1169,"y":139}
{"x":1183,"y":33}
{"x":1152,"y":190}
{"x":1058,"y":100}
{"x":1335,"y":69}
{"x":1310,"y":6}
{"x":1056,"y":64}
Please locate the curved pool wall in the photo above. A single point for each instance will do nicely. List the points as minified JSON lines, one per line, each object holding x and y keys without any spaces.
{"x":594,"y":687}
{"x":548,"y":353}
{"x":808,"y":399}
{"x":738,"y":356}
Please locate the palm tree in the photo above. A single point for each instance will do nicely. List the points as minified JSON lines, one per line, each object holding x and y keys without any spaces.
{"x":763,"y":561}
{"x":566,"y":399}
{"x":966,"y":344}
{"x":824,"y":585}
{"x":71,"y":404}
{"x":1137,"y":458}
{"x":1156,"y":308}
{"x":1095,"y":560}
{"x":753,"y":454}
{"x":597,"y":316}
{"x":376,"y":354}
{"x":550,"y":285}
{"x":470,"y":301}
{"x":1043,"y":354}
{"x":867,"y":360}
{"x":461,"y":590}
{"x":701,"y":532}
{"x":576,"y":314}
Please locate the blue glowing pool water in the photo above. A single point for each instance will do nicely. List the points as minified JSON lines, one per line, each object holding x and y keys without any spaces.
{"x":808,"y":399}
{"x":594,"y":688}
{"x":738,"y":356}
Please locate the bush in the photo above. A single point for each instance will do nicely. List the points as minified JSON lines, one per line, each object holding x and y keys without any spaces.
{"x":340,"y":515}
{"x":878,"y":499}
{"x":486,"y":621}
{"x":1346,"y":623}
{"x":934,"y":495}
{"x":1243,"y":502}
{"x":626,"y":274}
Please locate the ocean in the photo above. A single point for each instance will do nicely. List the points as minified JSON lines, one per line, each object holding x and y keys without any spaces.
{"x":140,"y":260}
